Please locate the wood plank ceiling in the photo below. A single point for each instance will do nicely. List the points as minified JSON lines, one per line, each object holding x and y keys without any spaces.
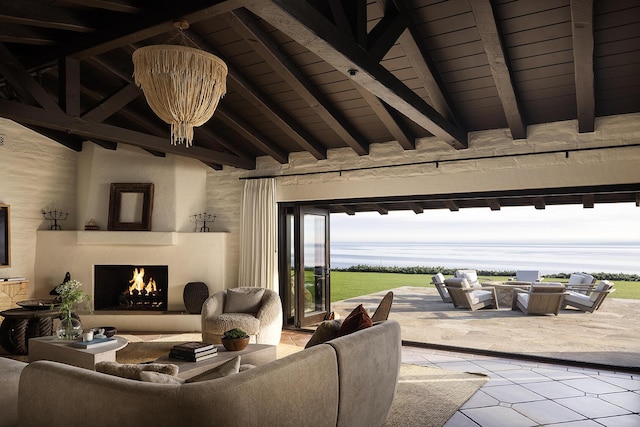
{"x":313,"y":75}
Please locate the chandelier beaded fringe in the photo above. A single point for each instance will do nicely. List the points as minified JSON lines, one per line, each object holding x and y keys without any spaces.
{"x":182,"y":86}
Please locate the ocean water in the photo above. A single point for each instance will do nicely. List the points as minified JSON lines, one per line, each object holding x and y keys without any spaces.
{"x":548,"y":257}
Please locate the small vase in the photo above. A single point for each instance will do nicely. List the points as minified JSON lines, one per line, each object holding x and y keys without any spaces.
{"x":69,"y":328}
{"x":235,"y":344}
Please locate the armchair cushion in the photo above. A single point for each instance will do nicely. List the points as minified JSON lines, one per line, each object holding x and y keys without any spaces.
{"x":438,"y":278}
{"x":477,"y":296}
{"x":578,"y":297}
{"x":243,"y":300}
{"x":470,"y":275}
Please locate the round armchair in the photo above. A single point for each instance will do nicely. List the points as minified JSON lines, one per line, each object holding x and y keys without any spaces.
{"x":258,"y":311}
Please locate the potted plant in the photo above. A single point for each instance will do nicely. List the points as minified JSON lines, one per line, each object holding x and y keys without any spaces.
{"x":70,"y":294}
{"x":235,"y":339}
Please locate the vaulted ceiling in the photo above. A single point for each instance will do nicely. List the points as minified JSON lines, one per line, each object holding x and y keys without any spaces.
{"x":312,"y":75}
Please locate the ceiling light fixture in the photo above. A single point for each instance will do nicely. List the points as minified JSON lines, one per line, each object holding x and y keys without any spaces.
{"x":182,"y":84}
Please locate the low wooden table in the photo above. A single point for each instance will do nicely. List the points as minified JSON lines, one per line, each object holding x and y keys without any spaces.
{"x":57,"y":350}
{"x":254,"y":354}
{"x":20,"y":324}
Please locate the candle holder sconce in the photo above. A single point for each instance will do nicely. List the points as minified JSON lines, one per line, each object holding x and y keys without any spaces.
{"x":54,"y":216}
{"x":203,"y":218}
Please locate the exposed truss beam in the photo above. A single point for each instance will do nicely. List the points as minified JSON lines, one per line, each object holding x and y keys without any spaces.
{"x":59,"y":121}
{"x":453,"y":207}
{"x":490,"y":35}
{"x":588,"y":201}
{"x":381,"y":209}
{"x":301,"y":22}
{"x":246,"y":25}
{"x":494,"y":204}
{"x":69,"y":86}
{"x":539,"y":203}
{"x":415,"y":208}
{"x":113,"y":104}
{"x":385,"y":34}
{"x":345,"y":209}
{"x":40,"y":14}
{"x":582,"y":25}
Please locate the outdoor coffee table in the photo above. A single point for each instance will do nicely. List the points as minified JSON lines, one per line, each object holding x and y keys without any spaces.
{"x":57,"y":350}
{"x":505,"y":291}
{"x":254,"y":354}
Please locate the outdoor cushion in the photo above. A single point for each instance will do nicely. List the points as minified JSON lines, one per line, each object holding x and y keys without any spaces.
{"x":523,"y":298}
{"x":243,"y":300}
{"x":578,"y":298}
{"x":480,"y":296}
{"x":438,"y":278}
{"x":580,"y":279}
{"x":470,"y":275}
{"x":464,"y":283}
{"x":602,"y":286}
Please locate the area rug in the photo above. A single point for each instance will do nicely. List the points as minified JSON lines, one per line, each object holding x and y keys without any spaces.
{"x":428,"y":397}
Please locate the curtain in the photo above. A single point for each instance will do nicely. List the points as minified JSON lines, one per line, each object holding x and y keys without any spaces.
{"x":258,"y":235}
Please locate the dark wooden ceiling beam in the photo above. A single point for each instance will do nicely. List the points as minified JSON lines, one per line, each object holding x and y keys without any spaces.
{"x":11,"y":33}
{"x":588,"y":201}
{"x":386,"y":32}
{"x":22,"y":82}
{"x":398,"y":130}
{"x":310,"y":29}
{"x":112,"y":104}
{"x":424,"y":66}
{"x":246,"y":25}
{"x":248,"y":132}
{"x":381,"y":209}
{"x":498,"y":63}
{"x":539,"y":203}
{"x":583,"y":46}
{"x":124,"y":6}
{"x":40,"y":14}
{"x":72,"y":142}
{"x":69,"y":86}
{"x":415,"y":208}
{"x":266,"y":105}
{"x":345,"y":209}
{"x":59,"y":121}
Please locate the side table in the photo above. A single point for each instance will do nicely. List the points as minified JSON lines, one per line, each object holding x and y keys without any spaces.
{"x":20,"y":324}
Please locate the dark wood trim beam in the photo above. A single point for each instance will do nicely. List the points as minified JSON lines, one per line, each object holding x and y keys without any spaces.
{"x":58,"y":121}
{"x":243,"y":128}
{"x":22,"y":82}
{"x":11,"y":33}
{"x":345,"y":209}
{"x":415,"y":208}
{"x":381,"y":209}
{"x":398,"y":130}
{"x":266,"y":105}
{"x":539,"y":203}
{"x":638,"y":199}
{"x":124,"y":6}
{"x":302,"y":23}
{"x":69,"y":86}
{"x":498,"y":63}
{"x":588,"y":201}
{"x":451,"y":205}
{"x":494,"y":204}
{"x":340,"y":16}
{"x":70,"y":141}
{"x":113,"y":104}
{"x":243,"y":22}
{"x":583,"y":46}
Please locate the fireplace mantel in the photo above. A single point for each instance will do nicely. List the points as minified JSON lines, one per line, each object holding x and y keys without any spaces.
{"x":136,"y":238}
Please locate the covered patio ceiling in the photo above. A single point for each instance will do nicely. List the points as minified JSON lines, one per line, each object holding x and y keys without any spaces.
{"x":314,"y":75}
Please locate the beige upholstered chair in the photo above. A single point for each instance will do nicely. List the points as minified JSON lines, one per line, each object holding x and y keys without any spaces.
{"x":470,"y":275}
{"x":539,"y":299}
{"x":588,"y":299}
{"x":463,"y":295}
{"x":438,"y":282}
{"x":580,"y":282}
{"x":257,"y":311}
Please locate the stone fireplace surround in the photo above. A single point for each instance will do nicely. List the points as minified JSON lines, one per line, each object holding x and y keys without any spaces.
{"x":190,"y":257}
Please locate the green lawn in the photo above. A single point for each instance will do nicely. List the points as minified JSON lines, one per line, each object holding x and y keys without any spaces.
{"x":346,"y":285}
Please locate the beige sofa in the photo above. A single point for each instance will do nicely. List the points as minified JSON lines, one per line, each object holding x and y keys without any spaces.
{"x":349,"y":382}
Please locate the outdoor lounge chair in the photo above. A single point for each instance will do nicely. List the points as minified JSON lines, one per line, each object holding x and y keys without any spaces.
{"x":463,"y":295}
{"x":531,"y":276}
{"x":438,"y":282}
{"x":580,"y":282}
{"x":588,"y":299}
{"x":470,"y":275}
{"x":540,"y":299}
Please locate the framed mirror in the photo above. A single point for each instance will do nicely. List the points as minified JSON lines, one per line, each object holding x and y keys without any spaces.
{"x":5,"y":241}
{"x":130,"y":207}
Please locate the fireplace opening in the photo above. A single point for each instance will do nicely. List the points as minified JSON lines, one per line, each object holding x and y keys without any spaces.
{"x":130,"y":287}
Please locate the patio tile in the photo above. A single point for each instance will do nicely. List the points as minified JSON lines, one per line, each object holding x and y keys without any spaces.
{"x":496,"y":366}
{"x":593,"y":385}
{"x":627,"y":400}
{"x":512,"y":394}
{"x":582,"y":423}
{"x":621,"y":421}
{"x":626,"y":383}
{"x":480,"y":399}
{"x":498,"y":416}
{"x":547,"y":412}
{"x":553,"y":389}
{"x":522,"y":376}
{"x":592,"y":407}
{"x":460,"y":420}
{"x":558,"y":373}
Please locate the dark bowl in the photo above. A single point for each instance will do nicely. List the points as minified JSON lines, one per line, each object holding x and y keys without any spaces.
{"x":109,"y":331}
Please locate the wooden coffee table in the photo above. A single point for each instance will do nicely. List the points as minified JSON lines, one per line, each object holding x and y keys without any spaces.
{"x":57,"y":350}
{"x":254,"y":354}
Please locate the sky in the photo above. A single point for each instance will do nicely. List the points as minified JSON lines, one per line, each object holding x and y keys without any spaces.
{"x":615,"y":222}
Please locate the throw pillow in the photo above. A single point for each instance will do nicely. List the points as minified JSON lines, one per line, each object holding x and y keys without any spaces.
{"x":229,"y":367}
{"x":132,"y":370}
{"x":157,"y":377}
{"x":326,"y":331}
{"x":243,"y":300}
{"x":358,"y":319}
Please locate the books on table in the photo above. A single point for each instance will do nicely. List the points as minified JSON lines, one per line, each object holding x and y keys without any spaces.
{"x":193,"y":351}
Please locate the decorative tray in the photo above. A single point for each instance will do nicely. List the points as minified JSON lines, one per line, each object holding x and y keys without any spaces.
{"x":38,"y":304}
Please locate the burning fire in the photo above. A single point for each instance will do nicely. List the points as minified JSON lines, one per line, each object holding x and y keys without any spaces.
{"x":137,"y":283}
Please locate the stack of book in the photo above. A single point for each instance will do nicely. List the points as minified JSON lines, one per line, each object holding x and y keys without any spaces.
{"x":193,"y":351}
